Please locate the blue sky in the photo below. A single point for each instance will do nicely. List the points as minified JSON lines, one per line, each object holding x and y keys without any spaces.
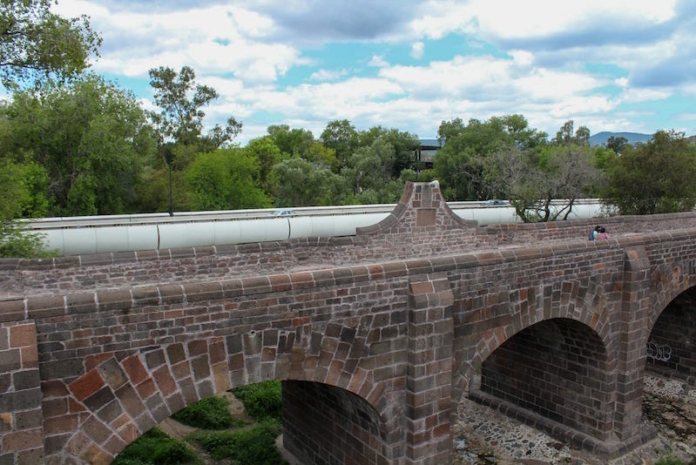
{"x":611,"y":65}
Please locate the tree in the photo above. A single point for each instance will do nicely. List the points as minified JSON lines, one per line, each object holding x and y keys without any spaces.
{"x":291,"y":141}
{"x":300,"y":184}
{"x":617,"y":144}
{"x":35,"y":43}
{"x":341,"y":136}
{"x":460,"y":165}
{"x":404,"y":144}
{"x":655,"y":177}
{"x":532,"y":175}
{"x":22,"y":196}
{"x":226,"y":179}
{"x":369,"y":168}
{"x":181,"y":115}
{"x":90,"y":137}
{"x":532,"y":181}
{"x":267,"y":155}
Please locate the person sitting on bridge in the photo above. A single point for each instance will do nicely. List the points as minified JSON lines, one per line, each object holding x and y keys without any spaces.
{"x":594,"y":233}
{"x":603,"y":234}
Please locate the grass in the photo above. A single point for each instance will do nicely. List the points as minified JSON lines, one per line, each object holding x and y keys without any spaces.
{"x":156,"y":448}
{"x":669,"y":460}
{"x":262,"y":400}
{"x":254,"y":445}
{"x":210,"y":413}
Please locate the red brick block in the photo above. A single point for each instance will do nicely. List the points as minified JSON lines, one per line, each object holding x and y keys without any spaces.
{"x":92,"y":361}
{"x":135,"y":369}
{"x":165,"y":381}
{"x":86,"y":385}
{"x":22,"y":440}
{"x":54,"y":388}
{"x":23,"y":336}
{"x":30,"y":357}
{"x":146,"y":388}
{"x":61,"y":424}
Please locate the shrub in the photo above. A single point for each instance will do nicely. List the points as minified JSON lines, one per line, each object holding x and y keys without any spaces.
{"x":668,"y":460}
{"x":210,"y":413}
{"x":156,"y":448}
{"x":251,"y":446}
{"x":262,"y":400}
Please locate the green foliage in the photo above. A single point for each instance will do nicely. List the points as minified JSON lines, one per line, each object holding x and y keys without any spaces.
{"x":267,"y":155}
{"x":656,"y":177}
{"x":210,"y":413}
{"x":295,"y":142}
{"x":461,"y":164}
{"x":369,"y":168}
{"x":24,"y":189}
{"x":534,"y":177}
{"x":17,"y":242}
{"x":301,"y":184}
{"x":156,"y":448}
{"x":342,"y":137}
{"x":90,"y":137}
{"x":250,"y":446}
{"x":35,"y":43}
{"x":227,"y":179}
{"x":262,"y":400}
{"x":669,"y":460}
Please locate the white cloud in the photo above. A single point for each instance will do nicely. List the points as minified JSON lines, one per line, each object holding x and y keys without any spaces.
{"x":327,"y":75}
{"x":417,"y":50}
{"x":378,"y":61}
{"x":644,"y":95}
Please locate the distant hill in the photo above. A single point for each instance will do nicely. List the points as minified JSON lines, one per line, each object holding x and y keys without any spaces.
{"x":601,"y":138}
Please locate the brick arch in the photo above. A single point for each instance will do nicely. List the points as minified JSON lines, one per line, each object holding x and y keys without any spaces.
{"x":666,"y":283}
{"x":584,"y":302}
{"x":671,"y":322}
{"x":557,"y":369}
{"x":120,"y":397}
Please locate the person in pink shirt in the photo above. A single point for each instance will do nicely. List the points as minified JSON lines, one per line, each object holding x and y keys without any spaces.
{"x":603,"y":234}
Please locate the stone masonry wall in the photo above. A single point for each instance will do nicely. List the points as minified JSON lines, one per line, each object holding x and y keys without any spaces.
{"x":557,"y":369}
{"x":324,"y":424}
{"x":21,"y":418}
{"x":672,"y":341}
{"x":421,"y":226}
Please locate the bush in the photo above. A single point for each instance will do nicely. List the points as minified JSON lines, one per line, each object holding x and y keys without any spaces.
{"x":156,"y":448}
{"x":250,"y":446}
{"x":262,"y":400}
{"x":210,"y":413}
{"x":669,"y":460}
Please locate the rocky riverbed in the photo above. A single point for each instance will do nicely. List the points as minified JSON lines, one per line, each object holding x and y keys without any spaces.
{"x":485,"y":436}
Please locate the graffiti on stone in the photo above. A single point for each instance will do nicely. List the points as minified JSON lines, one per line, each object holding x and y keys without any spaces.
{"x":659,"y":352}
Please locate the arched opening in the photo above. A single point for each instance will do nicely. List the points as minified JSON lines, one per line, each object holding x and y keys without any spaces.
{"x":557,"y":369}
{"x":326,"y":424}
{"x":320,"y":424}
{"x":671,"y":345}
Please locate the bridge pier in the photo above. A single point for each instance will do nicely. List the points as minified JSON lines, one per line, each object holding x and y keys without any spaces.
{"x":429,"y":375}
{"x":632,"y":330}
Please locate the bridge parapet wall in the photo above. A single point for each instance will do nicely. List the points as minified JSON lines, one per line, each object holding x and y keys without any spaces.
{"x":416,"y":228}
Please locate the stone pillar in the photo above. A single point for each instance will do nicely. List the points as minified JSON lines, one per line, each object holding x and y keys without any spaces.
{"x":633,"y":329}
{"x":21,"y":418}
{"x":429,"y":376}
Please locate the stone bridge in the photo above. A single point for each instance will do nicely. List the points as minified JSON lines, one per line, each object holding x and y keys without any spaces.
{"x":376,"y":337}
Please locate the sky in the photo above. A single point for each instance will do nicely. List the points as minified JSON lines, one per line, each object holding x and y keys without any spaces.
{"x":610,"y":65}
